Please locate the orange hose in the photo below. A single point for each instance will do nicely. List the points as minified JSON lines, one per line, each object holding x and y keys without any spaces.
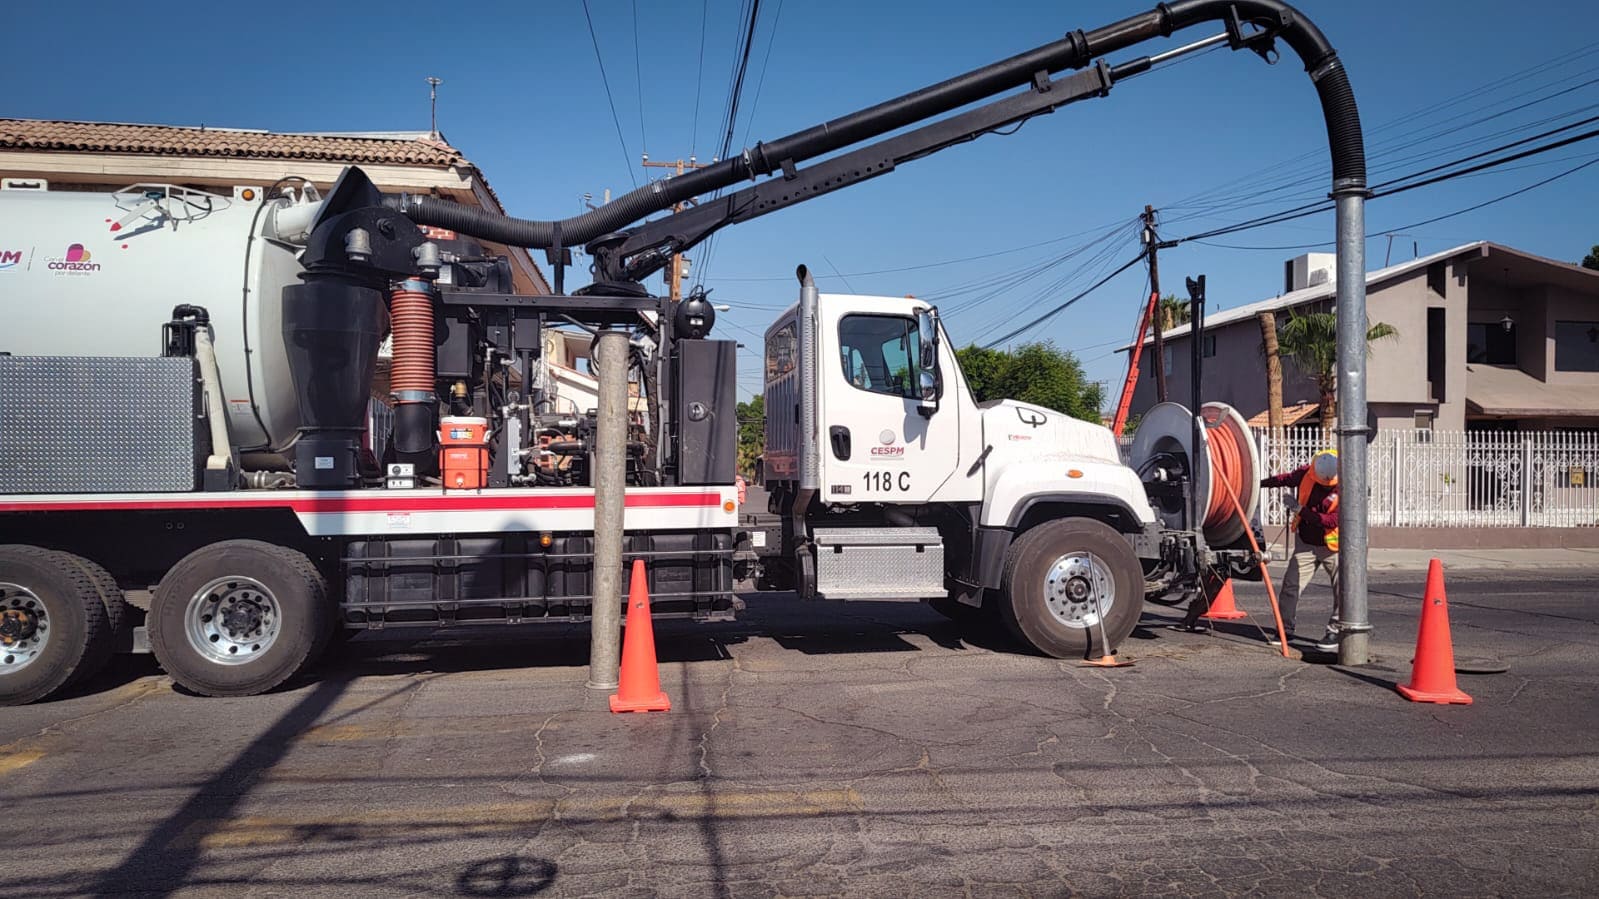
{"x":414,"y":366}
{"x":1226,"y":465}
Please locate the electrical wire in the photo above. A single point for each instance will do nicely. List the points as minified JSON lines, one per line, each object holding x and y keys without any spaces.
{"x":1063,"y":306}
{"x":699,"y":83}
{"x":1400,"y":186}
{"x":1409,"y":119}
{"x":627,"y":158}
{"x":771,"y":37}
{"x":1430,"y":221}
{"x":638,"y":81}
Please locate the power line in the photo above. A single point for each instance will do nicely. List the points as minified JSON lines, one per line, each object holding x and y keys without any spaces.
{"x":699,"y":83}
{"x":1039,"y":320}
{"x":1473,"y":208}
{"x":638,"y":80}
{"x":1409,"y":118}
{"x":771,"y":37}
{"x":737,"y":91}
{"x":941,"y":263}
{"x":1403,"y":141}
{"x":627,"y":157}
{"x":1324,"y":206}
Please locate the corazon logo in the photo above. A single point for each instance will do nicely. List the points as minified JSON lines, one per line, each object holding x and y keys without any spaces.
{"x":76,"y":260}
{"x":10,"y":258}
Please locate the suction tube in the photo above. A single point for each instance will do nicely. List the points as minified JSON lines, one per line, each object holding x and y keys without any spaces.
{"x":1073,"y":51}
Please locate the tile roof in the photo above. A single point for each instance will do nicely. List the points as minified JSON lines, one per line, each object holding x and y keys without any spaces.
{"x":394,"y":148}
{"x":1292,"y":415}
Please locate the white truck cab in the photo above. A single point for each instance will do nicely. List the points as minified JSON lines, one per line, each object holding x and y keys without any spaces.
{"x":893,"y":482}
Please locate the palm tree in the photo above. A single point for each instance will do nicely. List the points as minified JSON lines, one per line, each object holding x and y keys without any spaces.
{"x":1274,"y":370}
{"x":1173,"y":312}
{"x":1311,"y":340}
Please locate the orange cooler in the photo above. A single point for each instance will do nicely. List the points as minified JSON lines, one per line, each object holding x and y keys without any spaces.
{"x":464,"y":452}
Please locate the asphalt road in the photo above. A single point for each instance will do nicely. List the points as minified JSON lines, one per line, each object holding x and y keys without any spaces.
{"x":823,"y":749}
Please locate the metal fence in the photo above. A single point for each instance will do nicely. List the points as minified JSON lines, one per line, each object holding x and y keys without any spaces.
{"x":1473,"y":479}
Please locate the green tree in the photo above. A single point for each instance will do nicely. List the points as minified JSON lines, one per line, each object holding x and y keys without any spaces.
{"x":1037,"y":373}
{"x":1173,"y":312}
{"x":751,"y":434}
{"x":1311,"y":341}
{"x":1592,"y":259}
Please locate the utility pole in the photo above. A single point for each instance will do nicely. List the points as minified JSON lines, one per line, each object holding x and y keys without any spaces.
{"x":433,"y":105}
{"x":610,"y":493}
{"x":1152,"y":244}
{"x":674,"y":276}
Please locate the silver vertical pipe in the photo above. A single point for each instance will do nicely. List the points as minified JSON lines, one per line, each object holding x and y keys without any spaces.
{"x":1354,"y":497}
{"x":810,"y":462}
{"x":610,"y":495}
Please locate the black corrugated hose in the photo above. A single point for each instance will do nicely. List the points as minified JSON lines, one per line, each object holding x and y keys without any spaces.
{"x":1073,"y":51}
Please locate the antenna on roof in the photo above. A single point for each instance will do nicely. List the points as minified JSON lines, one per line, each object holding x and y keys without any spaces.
{"x":433,"y":104}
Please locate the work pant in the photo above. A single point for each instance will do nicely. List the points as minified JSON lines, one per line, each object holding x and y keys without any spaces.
{"x":1302,"y":567}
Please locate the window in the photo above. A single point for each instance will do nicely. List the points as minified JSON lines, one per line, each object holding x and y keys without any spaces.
{"x":1437,"y":319}
{"x":1210,"y":345}
{"x":780,"y":352}
{"x":1576,"y":346}
{"x":1488,"y":343}
{"x":881,"y":354}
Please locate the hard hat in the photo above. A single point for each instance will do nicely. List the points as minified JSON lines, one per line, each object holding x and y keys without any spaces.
{"x":1324,"y":468}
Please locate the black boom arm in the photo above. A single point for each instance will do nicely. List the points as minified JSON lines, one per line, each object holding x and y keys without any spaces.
{"x":628,"y":255}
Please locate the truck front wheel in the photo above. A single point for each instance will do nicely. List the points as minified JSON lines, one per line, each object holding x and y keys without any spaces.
{"x":239,"y":617}
{"x":1061,"y":577}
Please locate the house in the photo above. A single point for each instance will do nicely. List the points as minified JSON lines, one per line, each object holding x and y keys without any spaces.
{"x":102,"y":156}
{"x":1489,"y":338}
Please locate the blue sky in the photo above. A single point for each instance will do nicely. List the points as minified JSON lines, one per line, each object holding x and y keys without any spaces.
{"x":522,"y":97}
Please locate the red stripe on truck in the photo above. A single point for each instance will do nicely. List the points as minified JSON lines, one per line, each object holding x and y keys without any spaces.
{"x":348,"y":504}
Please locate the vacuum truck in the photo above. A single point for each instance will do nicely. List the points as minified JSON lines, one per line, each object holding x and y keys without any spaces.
{"x":235,"y":425}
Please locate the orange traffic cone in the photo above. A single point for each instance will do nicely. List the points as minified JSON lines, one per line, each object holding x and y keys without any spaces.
{"x":1222,"y":607}
{"x":1432,"y":676}
{"x":640,"y":682}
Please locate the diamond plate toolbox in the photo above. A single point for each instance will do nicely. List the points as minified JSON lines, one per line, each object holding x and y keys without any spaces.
{"x":879,"y":563}
{"x":98,"y":425}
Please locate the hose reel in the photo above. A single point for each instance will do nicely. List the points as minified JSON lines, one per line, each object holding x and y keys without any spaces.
{"x":1228,"y":463}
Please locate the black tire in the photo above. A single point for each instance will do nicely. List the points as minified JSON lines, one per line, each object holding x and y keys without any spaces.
{"x":1024,"y":606}
{"x":304,"y":626}
{"x":116,"y":610}
{"x":75,"y":617}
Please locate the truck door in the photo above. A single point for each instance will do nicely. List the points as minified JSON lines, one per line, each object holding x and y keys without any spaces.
{"x":878,"y":443}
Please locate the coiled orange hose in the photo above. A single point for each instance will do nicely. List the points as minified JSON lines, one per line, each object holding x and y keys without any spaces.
{"x":1226,"y":480}
{"x":414,"y":366}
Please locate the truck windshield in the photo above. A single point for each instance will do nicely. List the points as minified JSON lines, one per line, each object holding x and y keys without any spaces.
{"x":880,"y":353}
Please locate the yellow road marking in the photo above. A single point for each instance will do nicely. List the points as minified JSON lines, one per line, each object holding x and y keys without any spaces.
{"x":504,"y":817}
{"x":14,"y":761}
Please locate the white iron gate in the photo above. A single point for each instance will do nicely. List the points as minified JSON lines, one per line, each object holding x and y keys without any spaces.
{"x":1475,"y":479}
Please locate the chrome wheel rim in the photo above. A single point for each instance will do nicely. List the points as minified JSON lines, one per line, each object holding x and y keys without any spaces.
{"x":1078,"y":589}
{"x":233,"y":620}
{"x":24,"y":628}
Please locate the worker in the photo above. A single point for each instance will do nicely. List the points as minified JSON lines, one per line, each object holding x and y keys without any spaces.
{"x":1315,"y":525}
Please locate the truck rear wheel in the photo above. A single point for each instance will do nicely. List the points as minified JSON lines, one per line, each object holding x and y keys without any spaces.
{"x":239,"y":617}
{"x":1060,"y":577}
{"x":116,"y":611}
{"x":52,"y":623}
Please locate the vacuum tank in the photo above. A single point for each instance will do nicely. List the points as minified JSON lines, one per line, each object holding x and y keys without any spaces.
{"x":98,"y":274}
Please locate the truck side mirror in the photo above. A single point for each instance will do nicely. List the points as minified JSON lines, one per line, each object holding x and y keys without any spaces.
{"x":927,"y":374}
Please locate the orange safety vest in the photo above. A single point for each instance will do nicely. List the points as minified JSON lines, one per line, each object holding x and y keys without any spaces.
{"x":1306,"y":485}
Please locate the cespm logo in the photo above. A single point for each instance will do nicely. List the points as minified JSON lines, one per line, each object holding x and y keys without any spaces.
{"x":10,"y":259}
{"x":76,"y":261}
